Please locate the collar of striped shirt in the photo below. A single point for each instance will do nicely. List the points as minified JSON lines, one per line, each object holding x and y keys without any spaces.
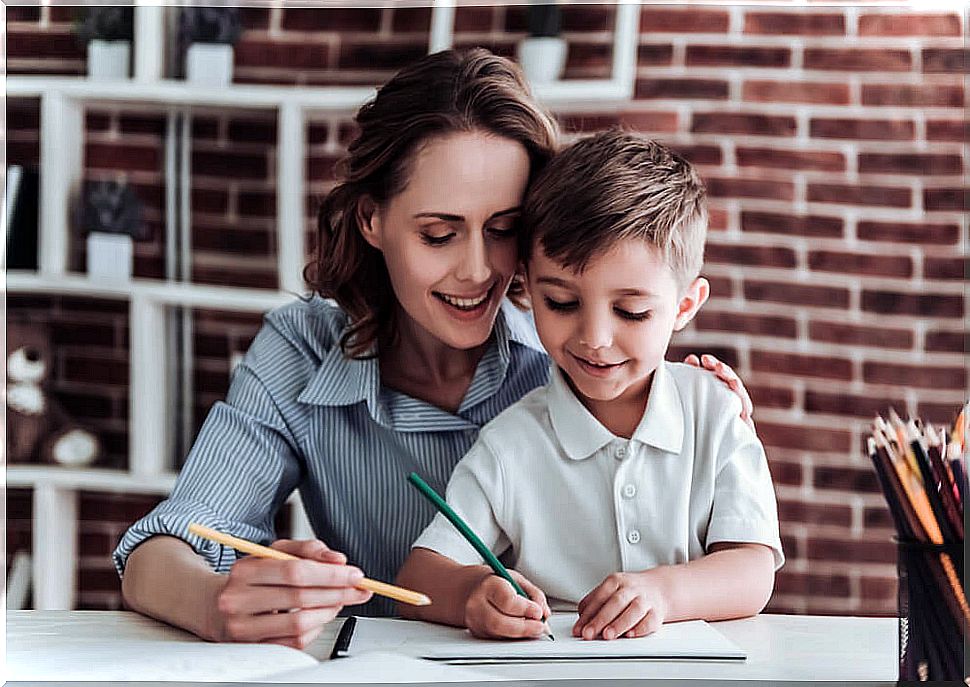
{"x":343,"y":381}
{"x":582,"y":435}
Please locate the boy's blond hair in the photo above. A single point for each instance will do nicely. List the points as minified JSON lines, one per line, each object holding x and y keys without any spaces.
{"x":612,"y":186}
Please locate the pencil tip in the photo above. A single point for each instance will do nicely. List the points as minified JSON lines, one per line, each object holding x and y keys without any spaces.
{"x":551,"y":638}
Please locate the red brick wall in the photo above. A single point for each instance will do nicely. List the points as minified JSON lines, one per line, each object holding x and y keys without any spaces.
{"x":832,"y":142}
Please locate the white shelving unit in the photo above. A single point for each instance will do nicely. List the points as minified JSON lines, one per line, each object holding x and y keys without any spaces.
{"x":62,"y":104}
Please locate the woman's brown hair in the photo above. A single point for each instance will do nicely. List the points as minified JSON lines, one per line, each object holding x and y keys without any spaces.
{"x":443,"y":93}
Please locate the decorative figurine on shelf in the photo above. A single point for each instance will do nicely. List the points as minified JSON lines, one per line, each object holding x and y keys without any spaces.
{"x":39,"y":430}
{"x":111,"y":214}
{"x":107,"y":32}
{"x":206,"y":38}
{"x":542,"y":53}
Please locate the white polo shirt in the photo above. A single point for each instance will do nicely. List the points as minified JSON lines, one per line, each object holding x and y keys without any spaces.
{"x":566,"y":502}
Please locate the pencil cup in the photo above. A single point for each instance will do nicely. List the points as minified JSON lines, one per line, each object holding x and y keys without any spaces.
{"x":932,"y":629}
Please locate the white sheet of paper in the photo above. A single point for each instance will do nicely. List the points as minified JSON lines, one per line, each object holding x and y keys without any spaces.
{"x":376,"y":667}
{"x":106,"y":646}
{"x":693,"y":640}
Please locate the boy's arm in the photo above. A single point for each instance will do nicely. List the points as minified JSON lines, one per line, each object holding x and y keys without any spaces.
{"x":731,"y":581}
{"x":447,"y":583}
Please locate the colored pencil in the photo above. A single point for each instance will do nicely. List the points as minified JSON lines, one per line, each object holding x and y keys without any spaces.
{"x":494,"y":563}
{"x":391,"y":591}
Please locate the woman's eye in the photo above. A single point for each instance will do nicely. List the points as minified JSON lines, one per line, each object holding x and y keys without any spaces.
{"x":432,"y":240}
{"x":503,"y":232}
{"x":634,"y":316}
{"x":560,"y":306}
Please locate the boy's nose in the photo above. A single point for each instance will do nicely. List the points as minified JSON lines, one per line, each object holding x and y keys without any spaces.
{"x":596,"y":332}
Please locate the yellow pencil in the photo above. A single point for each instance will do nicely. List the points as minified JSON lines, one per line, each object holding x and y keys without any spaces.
{"x":407,"y":596}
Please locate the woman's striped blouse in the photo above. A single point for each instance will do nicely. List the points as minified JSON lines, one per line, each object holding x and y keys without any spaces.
{"x":300,"y":415}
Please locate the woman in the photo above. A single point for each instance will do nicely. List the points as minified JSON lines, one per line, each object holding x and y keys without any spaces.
{"x":417,"y":247}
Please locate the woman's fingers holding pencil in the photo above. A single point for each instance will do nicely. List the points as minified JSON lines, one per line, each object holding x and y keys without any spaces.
{"x":296,"y":628}
{"x":313,"y":549}
{"x":287,"y":601}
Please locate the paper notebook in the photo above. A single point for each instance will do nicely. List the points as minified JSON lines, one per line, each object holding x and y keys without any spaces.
{"x":691,"y":640}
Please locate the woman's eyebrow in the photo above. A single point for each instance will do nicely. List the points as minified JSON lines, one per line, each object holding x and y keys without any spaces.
{"x":448,"y":217}
{"x":440,"y":215}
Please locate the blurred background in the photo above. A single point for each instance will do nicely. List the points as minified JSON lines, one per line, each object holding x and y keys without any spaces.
{"x":832,"y":140}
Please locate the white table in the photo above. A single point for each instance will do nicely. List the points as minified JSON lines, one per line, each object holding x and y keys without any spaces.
{"x":780,"y":648}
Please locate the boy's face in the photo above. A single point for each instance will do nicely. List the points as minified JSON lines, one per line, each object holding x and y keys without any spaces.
{"x":608,"y":327}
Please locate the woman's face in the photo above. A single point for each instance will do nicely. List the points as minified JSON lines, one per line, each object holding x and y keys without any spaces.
{"x":449,"y":238}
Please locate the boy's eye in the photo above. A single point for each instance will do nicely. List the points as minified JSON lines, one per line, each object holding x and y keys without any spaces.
{"x":634,"y":316}
{"x":561,"y":306}
{"x":432,"y":240}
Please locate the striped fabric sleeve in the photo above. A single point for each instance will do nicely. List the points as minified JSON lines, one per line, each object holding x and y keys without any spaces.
{"x":242,"y":467}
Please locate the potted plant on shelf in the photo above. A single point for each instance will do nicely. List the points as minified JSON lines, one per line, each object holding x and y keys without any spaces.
{"x":111,"y":213}
{"x":107,"y":32}
{"x":206,"y":37}
{"x":542,"y":53}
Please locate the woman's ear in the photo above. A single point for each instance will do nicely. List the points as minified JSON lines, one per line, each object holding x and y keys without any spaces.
{"x":369,"y":221}
{"x":692,"y":300}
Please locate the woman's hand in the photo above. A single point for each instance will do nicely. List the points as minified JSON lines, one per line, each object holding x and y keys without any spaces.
{"x":730,"y":378}
{"x":287,"y":602}
{"x":622,"y":605}
{"x":494,"y":609}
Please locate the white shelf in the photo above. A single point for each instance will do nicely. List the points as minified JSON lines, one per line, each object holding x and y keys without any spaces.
{"x":177,"y":92}
{"x":154,"y":290}
{"x":89,"y":479}
{"x":572,"y":94}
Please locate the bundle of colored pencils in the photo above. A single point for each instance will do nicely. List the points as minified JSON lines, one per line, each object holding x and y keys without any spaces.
{"x":922,"y":470}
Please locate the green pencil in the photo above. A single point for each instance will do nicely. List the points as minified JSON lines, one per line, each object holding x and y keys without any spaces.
{"x":466,"y":531}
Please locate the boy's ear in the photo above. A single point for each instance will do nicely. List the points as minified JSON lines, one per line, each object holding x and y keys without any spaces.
{"x":692,"y":300}
{"x":369,"y":221}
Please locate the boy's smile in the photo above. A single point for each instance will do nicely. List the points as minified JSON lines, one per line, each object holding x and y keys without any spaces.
{"x":608,"y":326}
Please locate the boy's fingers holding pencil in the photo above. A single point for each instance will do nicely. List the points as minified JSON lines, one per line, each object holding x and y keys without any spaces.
{"x":536,"y":594}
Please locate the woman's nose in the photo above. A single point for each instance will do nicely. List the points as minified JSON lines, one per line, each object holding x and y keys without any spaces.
{"x":474,"y":266}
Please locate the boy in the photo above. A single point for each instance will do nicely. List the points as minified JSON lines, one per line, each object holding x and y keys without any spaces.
{"x":628,"y":485}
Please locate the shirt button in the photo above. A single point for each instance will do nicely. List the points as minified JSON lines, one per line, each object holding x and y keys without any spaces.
{"x":620,"y":453}
{"x":629,"y":491}
{"x":633,"y":536}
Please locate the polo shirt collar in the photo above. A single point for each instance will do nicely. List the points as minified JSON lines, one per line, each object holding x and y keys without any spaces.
{"x":662,"y":424}
{"x":581,"y":434}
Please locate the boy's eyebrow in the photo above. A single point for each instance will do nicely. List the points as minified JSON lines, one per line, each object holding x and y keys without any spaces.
{"x":554,"y":281}
{"x":447,"y":217}
{"x":634,"y":292}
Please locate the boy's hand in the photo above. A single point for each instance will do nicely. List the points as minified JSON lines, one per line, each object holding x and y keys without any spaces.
{"x":287,"y":602}
{"x":623,"y":605}
{"x":730,"y":378}
{"x":494,"y":610}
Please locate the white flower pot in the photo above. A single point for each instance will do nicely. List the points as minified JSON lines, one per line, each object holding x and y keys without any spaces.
{"x":108,"y":60}
{"x":209,"y":64}
{"x":543,"y":59}
{"x":110,"y":256}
